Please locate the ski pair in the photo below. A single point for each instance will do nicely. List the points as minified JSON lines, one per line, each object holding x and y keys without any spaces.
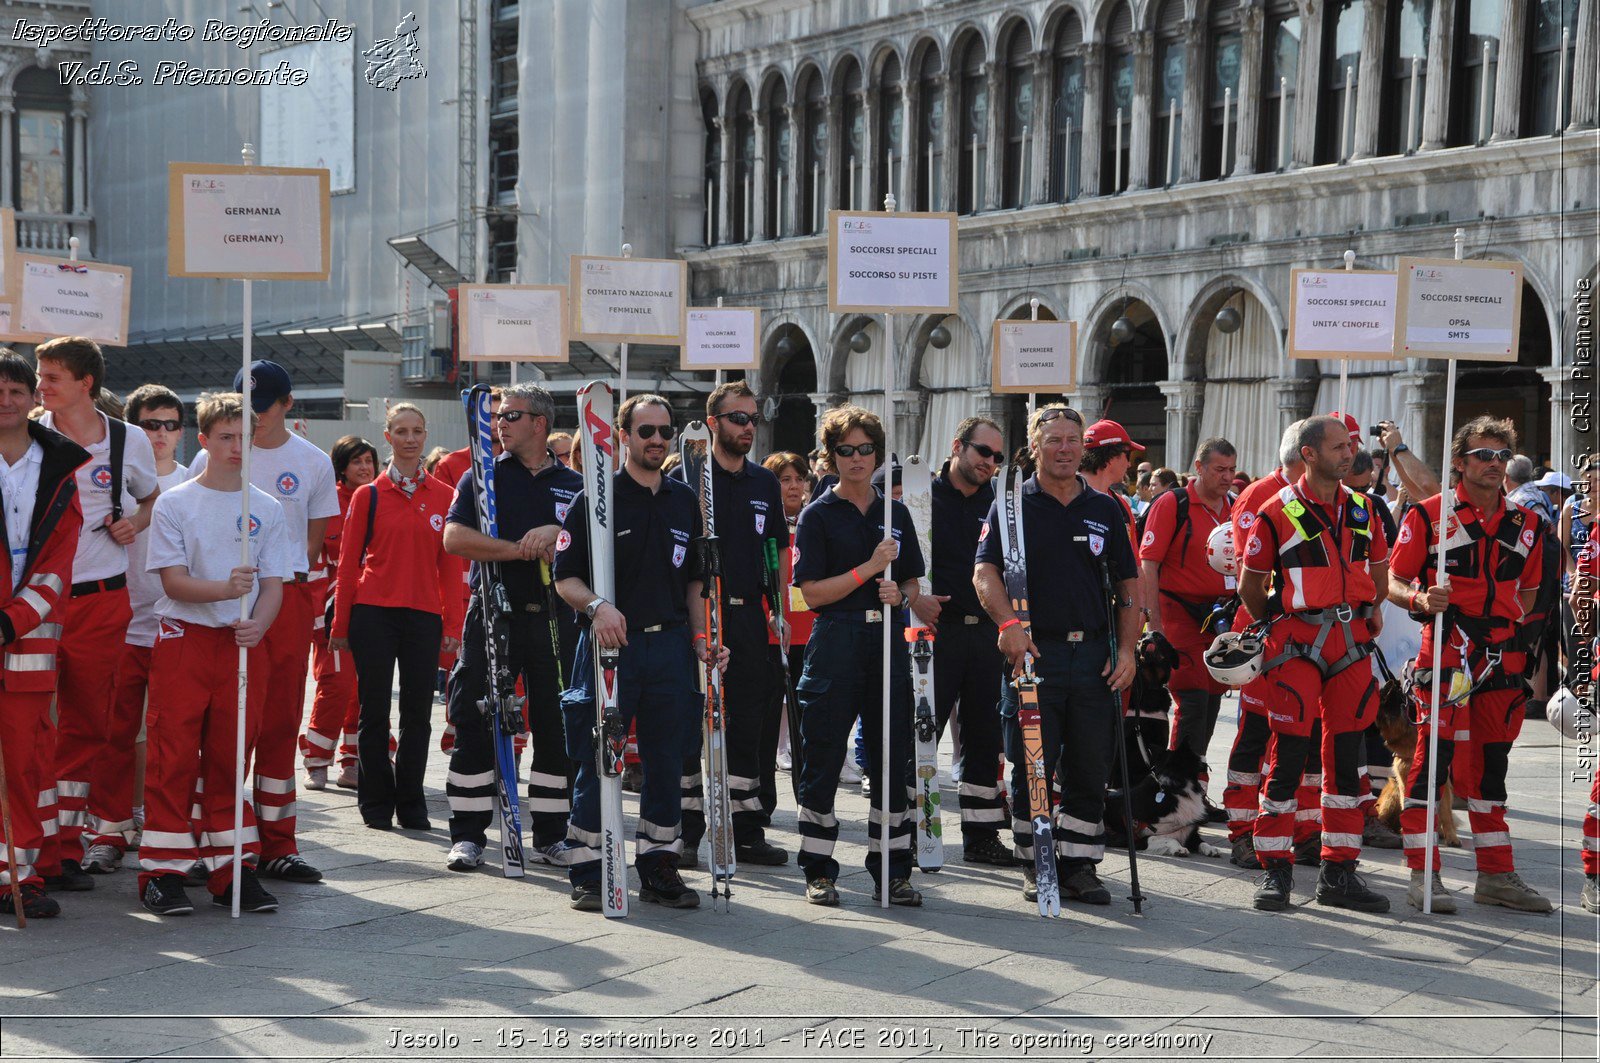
{"x":916,"y":494}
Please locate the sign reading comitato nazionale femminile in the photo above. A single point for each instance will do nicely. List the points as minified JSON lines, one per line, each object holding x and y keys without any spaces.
{"x":247,"y":222}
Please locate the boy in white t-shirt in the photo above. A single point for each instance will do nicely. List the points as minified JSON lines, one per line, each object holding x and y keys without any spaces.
{"x":119,"y":772}
{"x":195,"y":546}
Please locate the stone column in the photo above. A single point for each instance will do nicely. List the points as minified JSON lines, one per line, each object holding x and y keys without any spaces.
{"x":1508,"y":70}
{"x":80,"y":153}
{"x":1583,"y":71}
{"x":1183,"y":419}
{"x":1037,"y":160}
{"x":823,"y":401}
{"x":1094,"y":89}
{"x":1089,"y":400}
{"x":1138,"y":173}
{"x":951,"y":178}
{"x":1369,"y":79}
{"x":1436,"y":92}
{"x":871,"y":195}
{"x":8,"y":147}
{"x":724,"y":181}
{"x":1191,"y":135}
{"x":994,"y":137}
{"x":1422,"y":396}
{"x":1294,"y":398}
{"x":1308,"y":85}
{"x":833,"y":167}
{"x":793,"y":189}
{"x":910,"y":408}
{"x":1249,"y":95}
{"x":911,"y":158}
{"x":1565,"y":439}
{"x":758,"y":181}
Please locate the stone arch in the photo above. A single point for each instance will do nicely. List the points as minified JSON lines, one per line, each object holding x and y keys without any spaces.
{"x":1093,"y":349}
{"x":770,"y":80}
{"x":880,"y":55}
{"x":1188,"y":353}
{"x":1056,"y":14}
{"x":841,"y":64}
{"x":1020,"y":301}
{"x":917,"y":51}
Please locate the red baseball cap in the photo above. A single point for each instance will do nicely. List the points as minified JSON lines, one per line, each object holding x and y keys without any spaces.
{"x":1351,"y":425}
{"x":1106,"y":434}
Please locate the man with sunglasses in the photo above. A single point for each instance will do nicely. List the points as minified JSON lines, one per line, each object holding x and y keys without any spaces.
{"x":1492,"y":574}
{"x":533,"y":494}
{"x":749,"y":514}
{"x":969,"y":667}
{"x":655,"y":622}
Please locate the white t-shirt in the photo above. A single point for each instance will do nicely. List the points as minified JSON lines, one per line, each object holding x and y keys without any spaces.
{"x":300,"y":478}
{"x":198,"y":528}
{"x":19,"y":486}
{"x":99,"y":556}
{"x":144,"y":587}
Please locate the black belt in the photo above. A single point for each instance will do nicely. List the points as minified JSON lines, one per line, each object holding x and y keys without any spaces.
{"x":1085,"y":635}
{"x":653,"y":628}
{"x":95,"y":586}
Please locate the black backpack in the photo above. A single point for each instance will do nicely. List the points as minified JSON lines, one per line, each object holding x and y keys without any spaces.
{"x":1181,"y":517}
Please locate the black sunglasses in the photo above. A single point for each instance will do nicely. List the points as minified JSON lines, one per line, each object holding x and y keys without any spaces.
{"x":511,"y":416}
{"x":996,"y":456}
{"x":648,"y":431}
{"x":1050,"y":415}
{"x":153,"y":424}
{"x":739,"y":417}
{"x":1485,"y":454}
{"x":846,"y":450}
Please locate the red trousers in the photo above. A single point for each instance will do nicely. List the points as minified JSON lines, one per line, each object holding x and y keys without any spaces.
{"x":288,"y":658}
{"x":113,"y":773}
{"x":335,"y":710}
{"x":1591,"y":830}
{"x":192,"y":730}
{"x":24,"y":729}
{"x":93,"y":628}
{"x":1254,"y":750}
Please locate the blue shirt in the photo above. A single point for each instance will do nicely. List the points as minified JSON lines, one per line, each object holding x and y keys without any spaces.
{"x":1065,"y":590}
{"x":748,"y":510}
{"x":957,"y":523}
{"x":834,"y":536}
{"x":523,"y":501}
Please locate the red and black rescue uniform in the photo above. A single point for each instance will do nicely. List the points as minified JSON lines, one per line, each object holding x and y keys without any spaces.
{"x":1490,"y":558}
{"x":1320,"y":557}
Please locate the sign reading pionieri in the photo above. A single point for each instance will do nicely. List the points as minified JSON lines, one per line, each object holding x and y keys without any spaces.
{"x":247,"y":222}
{"x":513,"y":323}
{"x":1469,"y":309}
{"x":720,"y":337}
{"x":60,"y":298}
{"x":1034,"y":356}
{"x":891,"y":263}
{"x":628,"y":300}
{"x":1342,"y":314}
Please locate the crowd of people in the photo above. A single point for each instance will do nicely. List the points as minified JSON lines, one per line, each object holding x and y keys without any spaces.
{"x":1310,"y":590}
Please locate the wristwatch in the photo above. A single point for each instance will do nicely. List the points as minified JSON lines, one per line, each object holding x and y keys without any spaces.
{"x":1400,"y":448}
{"x":593,"y":607}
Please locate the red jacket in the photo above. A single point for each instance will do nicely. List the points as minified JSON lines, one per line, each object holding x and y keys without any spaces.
{"x":406,"y":566}
{"x":1319,"y":555}
{"x":26,"y":622}
{"x":1181,"y":552}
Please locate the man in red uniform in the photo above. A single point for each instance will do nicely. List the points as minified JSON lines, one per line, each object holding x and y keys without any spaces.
{"x":1186,"y":589}
{"x":1326,"y":557}
{"x":42,"y":521}
{"x":1492,"y":557}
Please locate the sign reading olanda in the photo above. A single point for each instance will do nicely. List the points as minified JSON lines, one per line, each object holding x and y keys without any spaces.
{"x":257,"y":222}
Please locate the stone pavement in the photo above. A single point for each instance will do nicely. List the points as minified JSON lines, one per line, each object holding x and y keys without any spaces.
{"x":392,"y":957}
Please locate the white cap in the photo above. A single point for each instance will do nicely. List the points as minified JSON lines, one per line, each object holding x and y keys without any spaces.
{"x":1554,"y":479}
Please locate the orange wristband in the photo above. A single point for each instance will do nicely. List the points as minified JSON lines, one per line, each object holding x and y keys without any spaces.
{"x":857,"y":575}
{"x":697,"y":638}
{"x":1010,"y":623}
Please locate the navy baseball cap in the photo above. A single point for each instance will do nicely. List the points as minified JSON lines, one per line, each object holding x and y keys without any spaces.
{"x":269,"y":382}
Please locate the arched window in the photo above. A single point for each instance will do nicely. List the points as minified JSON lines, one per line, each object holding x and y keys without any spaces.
{"x":1016,"y":165}
{"x":853,"y":118}
{"x":1547,"y":92}
{"x":1066,"y":111}
{"x":891,"y":145}
{"x":713,"y":167}
{"x":1117,"y":106}
{"x":741,"y":201}
{"x":974,"y":128}
{"x":814,"y":153}
{"x":1279,"y":72}
{"x":1225,"y":53}
{"x":1341,"y":74}
{"x":779,"y":143}
{"x":1477,"y":57}
{"x":1405,"y":51}
{"x":1166,"y":132}
{"x":43,"y":136}
{"x":930,"y":121}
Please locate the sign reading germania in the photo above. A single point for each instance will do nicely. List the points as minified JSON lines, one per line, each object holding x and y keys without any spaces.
{"x":256,"y":222}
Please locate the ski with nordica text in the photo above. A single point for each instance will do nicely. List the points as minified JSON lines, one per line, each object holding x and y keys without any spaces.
{"x":917,"y":493}
{"x":1027,"y":684}
{"x":599,"y":442}
{"x":697,"y":468}
{"x":500,"y":705}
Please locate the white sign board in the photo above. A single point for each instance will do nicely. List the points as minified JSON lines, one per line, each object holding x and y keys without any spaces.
{"x":513,"y":323}
{"x":1034,"y":356}
{"x":890,"y":263}
{"x":312,"y":124}
{"x":258,"y":222}
{"x":720,"y":337}
{"x":628,"y":300}
{"x":1342,"y":314}
{"x":61,"y":298}
{"x":1470,"y":310}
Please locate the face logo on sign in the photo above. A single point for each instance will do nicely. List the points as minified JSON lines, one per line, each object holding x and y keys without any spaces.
{"x":101,"y":477}
{"x":288,"y":483}
{"x":563,"y":540}
{"x":1097,"y":545}
{"x":1149,"y":539}
{"x":255,"y":525}
{"x":1255,"y":547}
{"x":436,"y":522}
{"x":679,"y":552}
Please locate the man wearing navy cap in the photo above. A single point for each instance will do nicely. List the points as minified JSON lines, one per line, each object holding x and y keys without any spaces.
{"x":293,"y":471}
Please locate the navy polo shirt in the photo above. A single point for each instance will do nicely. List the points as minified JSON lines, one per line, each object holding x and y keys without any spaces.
{"x":654,"y":534}
{"x":749,"y":510}
{"x":834,"y":537}
{"x":1064,"y":586}
{"x":524,"y":500}
{"x":957,"y":522}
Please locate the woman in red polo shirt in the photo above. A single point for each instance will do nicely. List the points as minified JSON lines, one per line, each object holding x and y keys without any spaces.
{"x":394,"y":600}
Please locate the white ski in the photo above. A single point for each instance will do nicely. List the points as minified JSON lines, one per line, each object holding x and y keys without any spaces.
{"x":916,"y":493}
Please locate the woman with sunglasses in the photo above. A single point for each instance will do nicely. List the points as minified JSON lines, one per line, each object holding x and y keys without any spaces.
{"x":841,"y":551}
{"x":396,"y":594}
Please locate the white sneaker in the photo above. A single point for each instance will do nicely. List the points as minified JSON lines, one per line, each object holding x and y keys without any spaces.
{"x":464,"y":856}
{"x":102,"y":859}
{"x":849,"y":773}
{"x":316,"y":779}
{"x":785,"y":761}
{"x":866,"y":786}
{"x":347,"y":778}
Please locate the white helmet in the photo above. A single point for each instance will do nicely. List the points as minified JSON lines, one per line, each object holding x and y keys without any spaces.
{"x":1565,"y":709}
{"x":1236,"y":657}
{"x":1219,"y":549}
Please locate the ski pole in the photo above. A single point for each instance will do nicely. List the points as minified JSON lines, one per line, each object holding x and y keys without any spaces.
{"x":11,"y":845}
{"x":555,"y":624}
{"x":1122,"y":740}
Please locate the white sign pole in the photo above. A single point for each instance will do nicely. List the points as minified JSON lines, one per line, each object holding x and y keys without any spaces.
{"x":888,"y":573}
{"x":1033,"y":315}
{"x":1344,"y":363}
{"x":246,"y":443}
{"x":719,"y":372}
{"x":1445,"y":512}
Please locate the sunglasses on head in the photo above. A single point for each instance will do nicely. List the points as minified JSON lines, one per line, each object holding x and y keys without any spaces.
{"x":1050,"y":415}
{"x":739,"y":417}
{"x":153,"y":424}
{"x":648,"y":431}
{"x":988,"y":453}
{"x":1485,"y":454}
{"x":847,"y":450}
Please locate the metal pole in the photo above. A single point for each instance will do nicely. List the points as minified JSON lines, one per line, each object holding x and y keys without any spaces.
{"x":1283,"y":123}
{"x":1172,"y":131}
{"x":622,"y":359}
{"x":1227,"y":109}
{"x":1344,"y":118}
{"x":246,"y":444}
{"x":1116,"y":180}
{"x":1033,"y":315}
{"x":1411,"y":110}
{"x":1344,"y":363}
{"x":1445,"y":498}
{"x":1484,"y":88}
{"x":880,"y":792}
